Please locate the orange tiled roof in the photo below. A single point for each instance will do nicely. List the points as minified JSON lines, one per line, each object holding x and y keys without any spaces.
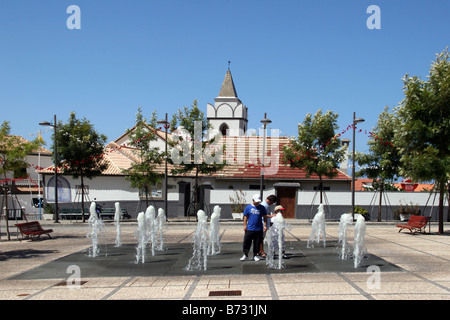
{"x":40,"y":149}
{"x":241,"y":155}
{"x":246,"y":165}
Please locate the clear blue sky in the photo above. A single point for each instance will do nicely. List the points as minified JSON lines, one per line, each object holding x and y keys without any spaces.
{"x":288,"y":58}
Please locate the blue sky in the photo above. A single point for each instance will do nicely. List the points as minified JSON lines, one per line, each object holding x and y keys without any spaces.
{"x":288,"y":58}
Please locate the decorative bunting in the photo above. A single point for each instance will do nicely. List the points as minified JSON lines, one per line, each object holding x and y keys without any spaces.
{"x":308,"y":152}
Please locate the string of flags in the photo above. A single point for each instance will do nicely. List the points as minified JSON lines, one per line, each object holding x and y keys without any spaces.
{"x":308,"y":152}
{"x":313,"y":151}
{"x":7,"y":180}
{"x":67,"y":165}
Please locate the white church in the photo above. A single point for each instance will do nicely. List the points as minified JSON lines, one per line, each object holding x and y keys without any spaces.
{"x":228,"y":114}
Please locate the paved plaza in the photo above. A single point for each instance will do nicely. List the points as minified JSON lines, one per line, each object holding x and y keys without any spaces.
{"x":397,"y":266}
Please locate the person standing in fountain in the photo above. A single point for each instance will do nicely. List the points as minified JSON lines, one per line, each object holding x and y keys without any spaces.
{"x":254,"y":227}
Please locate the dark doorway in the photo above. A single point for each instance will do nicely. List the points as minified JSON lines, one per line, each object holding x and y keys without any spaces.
{"x":184,"y":198}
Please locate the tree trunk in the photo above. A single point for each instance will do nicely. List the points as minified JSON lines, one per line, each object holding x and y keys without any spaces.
{"x":441,"y":206}
{"x":5,"y":194}
{"x":82,"y":199}
{"x":146,"y":197}
{"x":448,"y":199}
{"x":196,"y":204}
{"x":321,"y":189}
{"x":380,"y":201}
{"x":5,"y":197}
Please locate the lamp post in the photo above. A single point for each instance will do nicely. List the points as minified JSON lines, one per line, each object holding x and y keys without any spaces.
{"x":355,"y":121}
{"x":166,"y":126}
{"x":265,"y":122}
{"x":55,"y":151}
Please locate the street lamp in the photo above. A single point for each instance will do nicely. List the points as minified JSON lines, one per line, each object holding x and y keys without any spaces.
{"x":265,"y":122}
{"x":355,"y":121}
{"x":55,"y":151}
{"x":166,"y":126}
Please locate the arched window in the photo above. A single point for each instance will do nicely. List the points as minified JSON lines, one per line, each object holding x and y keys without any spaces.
{"x":64,"y":189}
{"x":224,"y":129}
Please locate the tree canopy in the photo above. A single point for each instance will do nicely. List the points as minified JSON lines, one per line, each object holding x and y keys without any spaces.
{"x":142,"y":174}
{"x":81,"y":148}
{"x":382,"y":162}
{"x":317,"y":148}
{"x":424,"y":132}
{"x":192,"y":148}
{"x":13,"y":159}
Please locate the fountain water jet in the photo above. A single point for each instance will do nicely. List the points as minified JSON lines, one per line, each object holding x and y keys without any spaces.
{"x":318,"y":228}
{"x":277,"y":237}
{"x":150,"y":226}
{"x":214,"y":245}
{"x":142,"y":238}
{"x":270,"y":238}
{"x":117,"y":215}
{"x":345,"y":221}
{"x":95,"y":227}
{"x":198,"y":261}
{"x":360,"y":248}
{"x":160,"y":226}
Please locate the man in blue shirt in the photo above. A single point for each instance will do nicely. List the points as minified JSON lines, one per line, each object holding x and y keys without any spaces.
{"x":254,"y":227}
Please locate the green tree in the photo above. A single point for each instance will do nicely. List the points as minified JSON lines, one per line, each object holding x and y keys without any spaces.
{"x":382,"y":163}
{"x":142,"y":174}
{"x":13,"y":158}
{"x":425,"y":128}
{"x":80,"y":147}
{"x":317,"y":148}
{"x":193,"y":150}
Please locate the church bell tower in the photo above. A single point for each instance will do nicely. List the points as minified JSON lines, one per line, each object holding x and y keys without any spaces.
{"x":228,"y":115}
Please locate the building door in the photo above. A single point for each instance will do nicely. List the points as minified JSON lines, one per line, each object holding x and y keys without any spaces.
{"x":184,"y":198}
{"x":286,"y":196}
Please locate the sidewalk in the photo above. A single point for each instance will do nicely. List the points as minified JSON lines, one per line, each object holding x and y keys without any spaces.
{"x":421,"y":268}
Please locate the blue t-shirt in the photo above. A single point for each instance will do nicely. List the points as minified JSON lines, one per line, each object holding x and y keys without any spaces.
{"x":254,"y":215}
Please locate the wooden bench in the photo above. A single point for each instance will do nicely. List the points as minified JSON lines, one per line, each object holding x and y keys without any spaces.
{"x":414,"y":224}
{"x":32,"y":230}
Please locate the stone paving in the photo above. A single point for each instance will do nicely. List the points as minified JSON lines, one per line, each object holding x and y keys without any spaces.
{"x":412,"y":267}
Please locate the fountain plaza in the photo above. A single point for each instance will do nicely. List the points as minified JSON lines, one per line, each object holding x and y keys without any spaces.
{"x":162,"y":264}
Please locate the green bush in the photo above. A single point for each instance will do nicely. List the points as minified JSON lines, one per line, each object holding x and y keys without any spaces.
{"x":365,"y":213}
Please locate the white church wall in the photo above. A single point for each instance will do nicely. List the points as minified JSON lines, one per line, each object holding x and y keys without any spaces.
{"x":364,"y":198}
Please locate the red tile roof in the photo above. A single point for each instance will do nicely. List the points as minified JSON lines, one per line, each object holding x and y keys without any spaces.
{"x":241,"y":155}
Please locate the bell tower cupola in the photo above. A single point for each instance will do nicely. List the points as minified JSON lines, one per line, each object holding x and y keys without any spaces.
{"x":228,"y":114}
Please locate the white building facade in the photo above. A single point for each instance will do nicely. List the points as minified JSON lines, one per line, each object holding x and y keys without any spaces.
{"x":295,"y":190}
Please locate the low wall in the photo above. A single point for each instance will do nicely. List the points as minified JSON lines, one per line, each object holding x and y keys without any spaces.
{"x":338,"y":202}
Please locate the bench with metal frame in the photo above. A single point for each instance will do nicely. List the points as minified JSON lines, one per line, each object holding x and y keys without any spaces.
{"x":32,"y":230}
{"x":415,"y":224}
